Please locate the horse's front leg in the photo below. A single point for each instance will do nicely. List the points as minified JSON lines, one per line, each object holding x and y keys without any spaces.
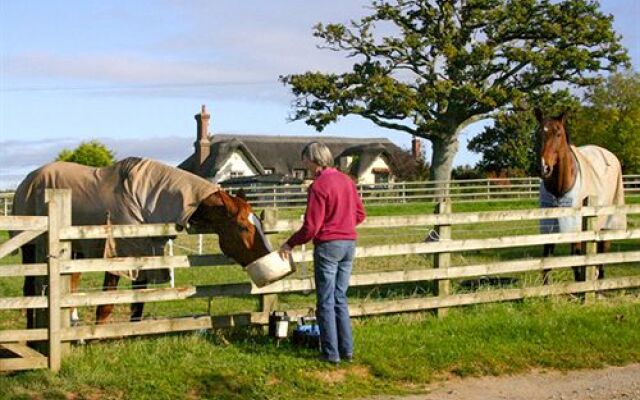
{"x":603,"y":247}
{"x":546,"y":273}
{"x":579,"y":273}
{"x":137,"y":308}
{"x":104,"y":311}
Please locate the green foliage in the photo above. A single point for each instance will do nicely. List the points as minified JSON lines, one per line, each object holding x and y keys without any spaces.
{"x":511,"y":146}
{"x":612,"y":119}
{"x":93,"y":153}
{"x":406,"y":168}
{"x":432,"y":68}
{"x":466,"y":172}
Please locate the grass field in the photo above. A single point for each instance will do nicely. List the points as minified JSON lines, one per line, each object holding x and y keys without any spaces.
{"x":395,"y":354}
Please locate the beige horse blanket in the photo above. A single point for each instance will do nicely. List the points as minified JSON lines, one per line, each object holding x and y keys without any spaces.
{"x":132,"y":191}
{"x":600,"y":175}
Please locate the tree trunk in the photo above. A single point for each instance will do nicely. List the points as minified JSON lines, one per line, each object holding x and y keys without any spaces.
{"x":444,"y":151}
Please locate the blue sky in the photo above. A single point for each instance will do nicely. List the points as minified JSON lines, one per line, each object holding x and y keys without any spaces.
{"x":132,"y":74}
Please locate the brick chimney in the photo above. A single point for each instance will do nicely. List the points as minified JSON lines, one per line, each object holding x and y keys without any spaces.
{"x":202,"y":143}
{"x":416,"y":148}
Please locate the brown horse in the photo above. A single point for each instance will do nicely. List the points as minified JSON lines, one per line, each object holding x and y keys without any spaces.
{"x":138,"y":191}
{"x":571,"y":174}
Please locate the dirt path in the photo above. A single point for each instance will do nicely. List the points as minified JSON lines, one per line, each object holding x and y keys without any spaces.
{"x":611,"y":383}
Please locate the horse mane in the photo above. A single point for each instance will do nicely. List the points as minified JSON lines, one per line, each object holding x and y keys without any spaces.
{"x":236,"y":206}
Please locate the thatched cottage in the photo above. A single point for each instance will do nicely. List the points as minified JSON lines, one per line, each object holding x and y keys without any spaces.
{"x":222,"y":157}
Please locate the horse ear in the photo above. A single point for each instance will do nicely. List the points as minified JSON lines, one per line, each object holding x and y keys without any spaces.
{"x":562,"y":117}
{"x":241,"y":194}
{"x":538,"y":113}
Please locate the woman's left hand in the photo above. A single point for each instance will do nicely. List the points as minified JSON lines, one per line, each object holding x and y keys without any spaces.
{"x":284,"y":251}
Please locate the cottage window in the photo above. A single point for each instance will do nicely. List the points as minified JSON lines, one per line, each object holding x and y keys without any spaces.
{"x":268,"y":171}
{"x":299,"y":173}
{"x":381,"y":177}
{"x":235,"y":174}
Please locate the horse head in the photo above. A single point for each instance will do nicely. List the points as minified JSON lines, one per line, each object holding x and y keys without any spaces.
{"x":554,"y":142}
{"x":240,"y":232}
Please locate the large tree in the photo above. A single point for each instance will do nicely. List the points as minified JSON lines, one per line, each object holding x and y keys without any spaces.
{"x":432,"y":67}
{"x":611,"y":119}
{"x":92,"y":153}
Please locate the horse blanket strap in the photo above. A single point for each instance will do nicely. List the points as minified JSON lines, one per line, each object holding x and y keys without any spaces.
{"x":110,"y":251}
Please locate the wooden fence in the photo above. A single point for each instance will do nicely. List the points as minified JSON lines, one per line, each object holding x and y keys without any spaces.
{"x":55,"y":267}
{"x":283,"y":196}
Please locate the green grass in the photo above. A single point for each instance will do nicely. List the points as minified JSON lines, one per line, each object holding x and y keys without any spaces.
{"x":394,"y":354}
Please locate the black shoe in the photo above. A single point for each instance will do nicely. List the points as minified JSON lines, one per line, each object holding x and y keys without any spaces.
{"x":348,"y":359}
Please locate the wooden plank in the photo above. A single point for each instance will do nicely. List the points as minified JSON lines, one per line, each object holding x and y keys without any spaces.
{"x":23,"y":270}
{"x":144,"y":327}
{"x":127,"y":296}
{"x":483,"y":244}
{"x":427,"y":303}
{"x":23,"y":223}
{"x":119,"y":231}
{"x":143,"y":263}
{"x":22,"y":335}
{"x":17,"y":241}
{"x":21,"y":364}
{"x":17,"y":303}
{"x":389,"y":277}
{"x":475,"y":217}
{"x":235,"y":320}
{"x":21,"y":350}
{"x":86,"y":332}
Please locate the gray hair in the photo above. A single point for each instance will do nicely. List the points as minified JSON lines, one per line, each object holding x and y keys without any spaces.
{"x":318,"y":153}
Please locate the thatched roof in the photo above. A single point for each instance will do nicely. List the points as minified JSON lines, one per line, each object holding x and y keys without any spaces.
{"x":282,"y":153}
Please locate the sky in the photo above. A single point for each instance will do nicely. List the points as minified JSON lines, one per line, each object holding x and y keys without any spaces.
{"x":132,"y":74}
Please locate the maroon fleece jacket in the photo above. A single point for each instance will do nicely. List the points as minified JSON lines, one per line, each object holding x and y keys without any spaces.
{"x":334,"y":209}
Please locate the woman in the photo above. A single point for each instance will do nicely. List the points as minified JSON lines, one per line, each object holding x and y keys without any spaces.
{"x":333,"y":211}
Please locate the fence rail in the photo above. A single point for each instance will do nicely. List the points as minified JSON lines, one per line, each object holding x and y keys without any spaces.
{"x":56,"y":266}
{"x":283,"y":196}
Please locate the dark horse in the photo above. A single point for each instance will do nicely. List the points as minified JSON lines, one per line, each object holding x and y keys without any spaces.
{"x":139,"y":191}
{"x":571,"y":174}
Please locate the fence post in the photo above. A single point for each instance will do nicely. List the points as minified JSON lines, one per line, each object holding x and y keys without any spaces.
{"x":59,"y":210}
{"x":442,"y":260}
{"x":269,"y":302}
{"x":589,"y":224}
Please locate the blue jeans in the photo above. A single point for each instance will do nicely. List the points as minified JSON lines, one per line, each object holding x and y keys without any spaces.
{"x":332,"y":264}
